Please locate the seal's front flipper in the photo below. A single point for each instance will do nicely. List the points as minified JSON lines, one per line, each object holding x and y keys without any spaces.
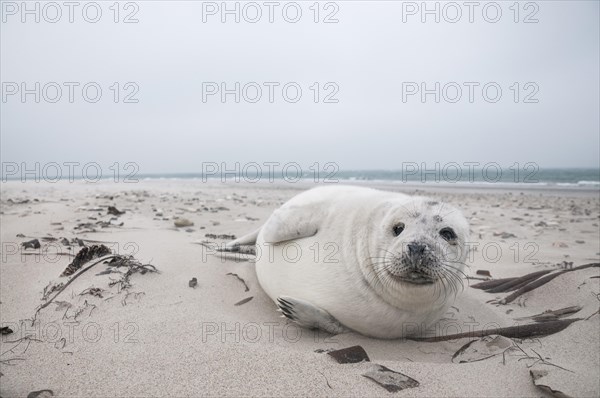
{"x":309,"y":316}
{"x":292,"y":222}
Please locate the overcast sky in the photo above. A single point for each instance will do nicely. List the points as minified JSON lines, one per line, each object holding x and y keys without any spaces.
{"x":372,"y":59}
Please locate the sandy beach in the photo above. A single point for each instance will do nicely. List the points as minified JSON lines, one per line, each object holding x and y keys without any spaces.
{"x":160,"y":334}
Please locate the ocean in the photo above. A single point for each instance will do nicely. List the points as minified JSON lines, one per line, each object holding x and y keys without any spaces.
{"x":411,"y":173}
{"x":550,"y":177}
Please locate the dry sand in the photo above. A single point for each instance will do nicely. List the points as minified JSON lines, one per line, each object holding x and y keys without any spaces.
{"x":161,"y":337}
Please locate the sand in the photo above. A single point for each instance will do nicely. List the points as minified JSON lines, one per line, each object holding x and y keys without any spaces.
{"x":161,"y":337}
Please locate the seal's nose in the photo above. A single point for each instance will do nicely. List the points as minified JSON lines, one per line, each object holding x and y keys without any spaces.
{"x":416,"y":249}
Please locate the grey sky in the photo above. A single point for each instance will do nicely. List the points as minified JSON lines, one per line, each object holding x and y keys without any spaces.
{"x":368,"y":55}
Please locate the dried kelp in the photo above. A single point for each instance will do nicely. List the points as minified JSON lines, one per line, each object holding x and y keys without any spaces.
{"x":552,"y":315}
{"x":32,"y":244}
{"x":244,"y":301}
{"x":389,"y":379}
{"x":85,"y":255}
{"x":481,"y":349}
{"x":352,"y":354}
{"x":41,"y":394}
{"x":524,"y":284}
{"x":113,"y":260}
{"x":5,"y":330}
{"x":521,"y":331}
{"x":114,"y":211}
{"x":246,"y":288}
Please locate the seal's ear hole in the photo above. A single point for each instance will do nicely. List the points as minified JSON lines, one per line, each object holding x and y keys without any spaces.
{"x":448,"y":234}
{"x":398,"y":228}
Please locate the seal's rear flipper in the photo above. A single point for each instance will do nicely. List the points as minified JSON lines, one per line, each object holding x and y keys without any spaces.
{"x":246,"y":240}
{"x":309,"y":316}
{"x":240,"y":249}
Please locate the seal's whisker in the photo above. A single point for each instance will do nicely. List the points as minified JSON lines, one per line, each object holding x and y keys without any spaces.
{"x":374,"y":277}
{"x":453,"y":274}
{"x":445,"y":288}
{"x":456,"y":270}
{"x":440,"y":209}
{"x":450,"y":212}
{"x":451,"y":278}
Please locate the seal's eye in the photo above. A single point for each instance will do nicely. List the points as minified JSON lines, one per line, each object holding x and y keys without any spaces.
{"x":448,"y":234}
{"x":398,"y":228}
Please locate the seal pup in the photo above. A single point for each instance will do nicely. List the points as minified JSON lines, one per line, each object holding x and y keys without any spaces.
{"x":383,"y":264}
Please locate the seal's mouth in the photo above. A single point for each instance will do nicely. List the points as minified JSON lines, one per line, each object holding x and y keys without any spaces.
{"x":415,"y":277}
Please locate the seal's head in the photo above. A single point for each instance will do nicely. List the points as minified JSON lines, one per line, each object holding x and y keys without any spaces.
{"x":421,"y":251}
